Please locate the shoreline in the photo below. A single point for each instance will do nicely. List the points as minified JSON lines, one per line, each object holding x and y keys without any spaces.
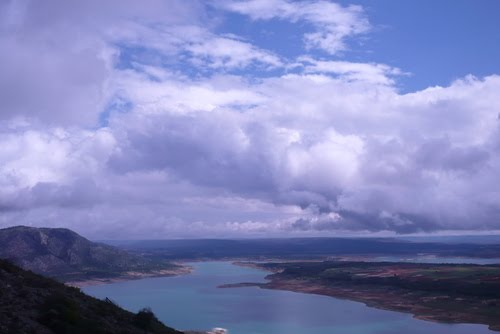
{"x":393,"y":299}
{"x":380,"y":300}
{"x":299,"y":286}
{"x":183,"y":269}
{"x":133,"y":275}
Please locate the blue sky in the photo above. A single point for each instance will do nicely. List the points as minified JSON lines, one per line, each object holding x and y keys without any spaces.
{"x":228,"y":118}
{"x":436,"y":42}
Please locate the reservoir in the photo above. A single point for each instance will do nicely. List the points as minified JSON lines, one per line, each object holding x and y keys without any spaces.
{"x":194,"y":302}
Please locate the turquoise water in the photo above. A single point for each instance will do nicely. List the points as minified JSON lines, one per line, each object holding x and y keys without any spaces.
{"x":194,"y":302}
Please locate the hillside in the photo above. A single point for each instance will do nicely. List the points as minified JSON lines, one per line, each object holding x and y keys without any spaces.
{"x":65,"y":255}
{"x":30,"y":303}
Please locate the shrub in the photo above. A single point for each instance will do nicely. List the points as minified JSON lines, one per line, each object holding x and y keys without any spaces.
{"x":145,"y":318}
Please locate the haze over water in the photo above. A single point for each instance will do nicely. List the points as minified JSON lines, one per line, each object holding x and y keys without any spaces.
{"x":194,"y":302}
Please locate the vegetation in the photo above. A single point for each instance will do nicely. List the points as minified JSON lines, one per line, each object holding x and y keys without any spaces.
{"x":30,"y":303}
{"x":455,"y":293}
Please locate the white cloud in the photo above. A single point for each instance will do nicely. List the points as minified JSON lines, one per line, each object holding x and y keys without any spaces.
{"x":196,"y":45}
{"x":51,"y":166}
{"x":57,"y":54}
{"x":168,"y":93}
{"x":52,"y":156}
{"x":367,"y":72}
{"x":231,"y":53}
{"x":332,"y":23}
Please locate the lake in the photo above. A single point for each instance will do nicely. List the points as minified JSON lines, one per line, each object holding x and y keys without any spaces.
{"x":194,"y":302}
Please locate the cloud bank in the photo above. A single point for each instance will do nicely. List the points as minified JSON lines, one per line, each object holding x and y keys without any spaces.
{"x":128,"y":121}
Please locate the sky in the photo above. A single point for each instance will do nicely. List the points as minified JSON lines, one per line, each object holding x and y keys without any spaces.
{"x":263,"y":118}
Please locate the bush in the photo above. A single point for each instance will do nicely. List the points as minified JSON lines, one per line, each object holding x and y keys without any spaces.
{"x":145,"y":318}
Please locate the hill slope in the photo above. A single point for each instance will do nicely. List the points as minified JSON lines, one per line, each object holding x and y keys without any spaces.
{"x":64,"y":254}
{"x":30,"y":303}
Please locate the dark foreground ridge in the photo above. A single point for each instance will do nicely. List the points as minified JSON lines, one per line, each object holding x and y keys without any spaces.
{"x":453,"y":293}
{"x":63,"y":254}
{"x":30,"y":303}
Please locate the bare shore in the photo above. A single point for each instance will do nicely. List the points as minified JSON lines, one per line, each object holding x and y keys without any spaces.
{"x":182,"y":269}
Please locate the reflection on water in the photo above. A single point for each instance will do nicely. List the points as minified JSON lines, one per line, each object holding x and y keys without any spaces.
{"x":194,"y":302}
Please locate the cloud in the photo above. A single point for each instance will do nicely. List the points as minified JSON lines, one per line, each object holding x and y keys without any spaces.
{"x":133,"y":120}
{"x":367,"y":72}
{"x":155,"y":91}
{"x":193,"y":45}
{"x":228,"y":52}
{"x":60,"y":56}
{"x":361,"y":161}
{"x":332,"y":23}
{"x":51,"y":166}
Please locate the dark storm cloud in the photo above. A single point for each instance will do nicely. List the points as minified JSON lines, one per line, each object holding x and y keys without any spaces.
{"x":79,"y":194}
{"x":207,"y":149}
{"x":439,"y":154}
{"x":354,"y":221}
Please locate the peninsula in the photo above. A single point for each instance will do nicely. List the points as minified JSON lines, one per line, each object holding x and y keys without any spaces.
{"x":452,"y":293}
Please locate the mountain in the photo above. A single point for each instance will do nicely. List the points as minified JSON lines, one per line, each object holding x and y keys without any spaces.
{"x":31,"y":303}
{"x":65,"y":255}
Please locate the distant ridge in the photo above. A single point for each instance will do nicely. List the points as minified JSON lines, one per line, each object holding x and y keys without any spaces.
{"x":64,"y":254}
{"x":303,"y":248}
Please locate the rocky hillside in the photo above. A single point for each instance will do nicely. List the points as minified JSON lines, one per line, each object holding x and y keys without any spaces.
{"x":65,"y":255}
{"x":30,"y":303}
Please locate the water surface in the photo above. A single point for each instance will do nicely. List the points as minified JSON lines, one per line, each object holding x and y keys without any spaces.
{"x":194,"y":302}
